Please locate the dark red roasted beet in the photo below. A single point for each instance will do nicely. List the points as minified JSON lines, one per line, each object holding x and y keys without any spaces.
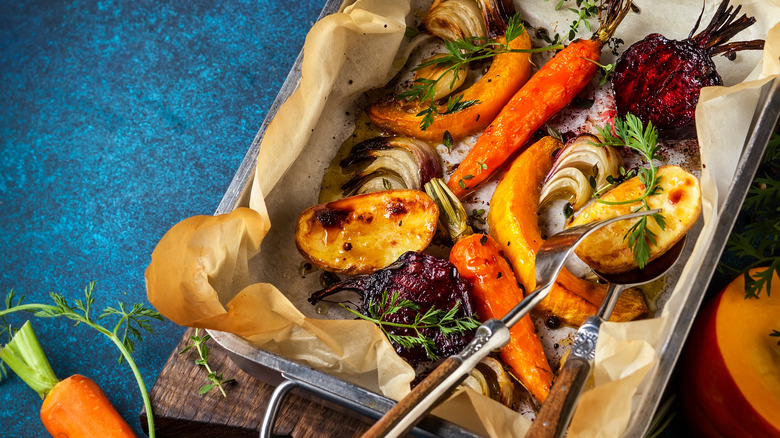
{"x":658,"y":80}
{"x":428,"y":281}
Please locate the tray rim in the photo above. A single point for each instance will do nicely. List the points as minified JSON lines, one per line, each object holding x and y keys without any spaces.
{"x":375,"y":404}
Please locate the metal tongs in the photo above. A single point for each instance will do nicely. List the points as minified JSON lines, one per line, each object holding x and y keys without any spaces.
{"x":490,"y":336}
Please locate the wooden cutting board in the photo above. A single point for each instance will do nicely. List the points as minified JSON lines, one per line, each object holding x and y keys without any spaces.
{"x":180,"y":411}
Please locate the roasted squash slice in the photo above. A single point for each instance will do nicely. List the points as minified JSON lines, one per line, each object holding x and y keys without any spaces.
{"x":514,"y":225}
{"x":507,"y":73}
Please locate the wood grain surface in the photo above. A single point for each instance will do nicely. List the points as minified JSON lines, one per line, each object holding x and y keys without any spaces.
{"x":180,"y":411}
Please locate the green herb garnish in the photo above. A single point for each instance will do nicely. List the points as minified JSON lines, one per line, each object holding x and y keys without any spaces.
{"x":445,"y":321}
{"x":216,"y":380}
{"x":630,"y":133}
{"x":460,"y":53}
{"x":585,"y":10}
{"x":129,"y":327}
{"x":606,"y":70}
{"x":478,"y":215}
{"x":758,"y":241}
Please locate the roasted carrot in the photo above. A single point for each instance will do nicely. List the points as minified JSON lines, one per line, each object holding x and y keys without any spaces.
{"x":513,"y":223}
{"x":547,"y":92}
{"x":74,"y":407}
{"x":495,"y":291}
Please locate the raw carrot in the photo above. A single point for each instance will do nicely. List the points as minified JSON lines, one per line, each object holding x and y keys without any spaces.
{"x":478,"y":259}
{"x":77,"y":407}
{"x":547,"y":92}
{"x":74,"y":407}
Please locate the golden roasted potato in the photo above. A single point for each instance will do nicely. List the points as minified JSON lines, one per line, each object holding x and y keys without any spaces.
{"x":607,"y":251}
{"x":363,"y":233}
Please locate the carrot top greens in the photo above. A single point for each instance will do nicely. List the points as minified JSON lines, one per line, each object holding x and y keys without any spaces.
{"x":128,"y":329}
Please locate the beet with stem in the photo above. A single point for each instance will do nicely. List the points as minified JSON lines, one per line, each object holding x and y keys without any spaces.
{"x":429,"y":282}
{"x":658,"y":79}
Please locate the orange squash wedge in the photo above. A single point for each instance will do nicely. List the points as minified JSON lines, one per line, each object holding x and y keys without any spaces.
{"x":507,"y":73}
{"x":514,"y":225}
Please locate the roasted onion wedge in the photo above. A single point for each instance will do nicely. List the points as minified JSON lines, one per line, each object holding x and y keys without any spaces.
{"x":579,"y":167}
{"x":384,"y":163}
{"x":606,"y":250}
{"x":364,"y":233}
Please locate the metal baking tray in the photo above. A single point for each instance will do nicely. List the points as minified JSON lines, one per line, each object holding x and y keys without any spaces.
{"x":348,"y":397}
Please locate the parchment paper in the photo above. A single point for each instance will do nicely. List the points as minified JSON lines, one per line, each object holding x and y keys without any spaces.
{"x":213,"y":272}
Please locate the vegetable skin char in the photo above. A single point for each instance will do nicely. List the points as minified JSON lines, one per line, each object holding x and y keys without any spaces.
{"x":363,"y":233}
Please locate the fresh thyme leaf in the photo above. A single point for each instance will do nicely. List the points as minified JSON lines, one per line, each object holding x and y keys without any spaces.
{"x":606,"y":70}
{"x":630,"y":132}
{"x":478,"y":215}
{"x":447,"y":140}
{"x":584,"y":10}
{"x":554,"y":133}
{"x":215,"y":380}
{"x":446,"y":321}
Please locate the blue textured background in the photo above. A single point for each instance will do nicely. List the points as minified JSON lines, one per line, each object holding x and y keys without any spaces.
{"x":119,"y":118}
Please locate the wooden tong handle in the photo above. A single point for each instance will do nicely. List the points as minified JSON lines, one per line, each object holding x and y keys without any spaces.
{"x":553,"y":420}
{"x":415,"y":400}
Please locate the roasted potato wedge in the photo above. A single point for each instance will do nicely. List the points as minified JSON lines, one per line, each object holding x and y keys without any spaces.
{"x":607,"y":251}
{"x":363,"y":233}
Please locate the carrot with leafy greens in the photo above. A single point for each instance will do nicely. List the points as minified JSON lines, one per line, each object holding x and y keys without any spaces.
{"x":495,"y":290}
{"x":76,"y":407}
{"x":547,"y":92}
{"x":73,"y":407}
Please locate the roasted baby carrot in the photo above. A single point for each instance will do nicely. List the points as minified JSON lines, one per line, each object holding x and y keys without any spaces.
{"x":74,"y":407}
{"x":547,"y":92}
{"x":495,"y":291}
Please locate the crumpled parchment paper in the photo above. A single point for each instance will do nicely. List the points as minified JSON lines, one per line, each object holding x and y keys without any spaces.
{"x":213,"y":272}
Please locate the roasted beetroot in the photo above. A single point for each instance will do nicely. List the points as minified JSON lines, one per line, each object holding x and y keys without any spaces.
{"x":431,"y":284}
{"x":658,"y":80}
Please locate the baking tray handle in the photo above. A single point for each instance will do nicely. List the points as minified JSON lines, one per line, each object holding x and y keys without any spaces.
{"x":278,"y":396}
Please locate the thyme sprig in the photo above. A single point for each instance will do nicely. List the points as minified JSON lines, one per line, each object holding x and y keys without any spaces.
{"x":460,"y":53}
{"x":630,"y":133}
{"x":585,"y":10}
{"x":128,"y":329}
{"x":445,"y":321}
{"x":214,"y":379}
